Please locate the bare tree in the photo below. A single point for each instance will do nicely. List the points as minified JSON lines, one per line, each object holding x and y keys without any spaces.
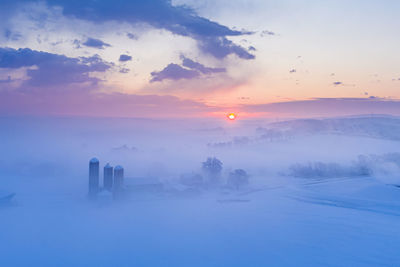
{"x":212,"y":169}
{"x":238,"y":179}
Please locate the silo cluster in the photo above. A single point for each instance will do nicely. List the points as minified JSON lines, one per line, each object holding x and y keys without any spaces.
{"x":113,"y":179}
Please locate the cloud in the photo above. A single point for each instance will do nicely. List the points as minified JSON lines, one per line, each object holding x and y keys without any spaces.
{"x":266,"y":33}
{"x":293,"y":71}
{"x":124,"y":70}
{"x":13,"y":36}
{"x":52,"y":69}
{"x":220,"y":47}
{"x":124,"y":58}
{"x":189,"y":70}
{"x":187,"y":62}
{"x":173,"y":72}
{"x":327,"y":107}
{"x":131,"y":36}
{"x":343,"y":84}
{"x":95,"y":43}
{"x":91,"y":42}
{"x":77,"y":44}
{"x":181,"y":20}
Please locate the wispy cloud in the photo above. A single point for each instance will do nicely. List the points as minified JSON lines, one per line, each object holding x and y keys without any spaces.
{"x":267,"y":33}
{"x":327,"y":107}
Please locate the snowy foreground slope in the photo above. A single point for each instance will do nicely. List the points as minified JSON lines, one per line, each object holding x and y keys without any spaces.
{"x":316,"y":198}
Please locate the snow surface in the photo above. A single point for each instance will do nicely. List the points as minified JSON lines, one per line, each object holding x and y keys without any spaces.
{"x":282,"y":219}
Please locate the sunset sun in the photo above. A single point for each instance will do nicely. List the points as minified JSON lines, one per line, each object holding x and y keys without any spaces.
{"x":231,"y":116}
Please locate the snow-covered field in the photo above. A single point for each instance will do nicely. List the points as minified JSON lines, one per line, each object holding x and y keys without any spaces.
{"x":321,"y":193}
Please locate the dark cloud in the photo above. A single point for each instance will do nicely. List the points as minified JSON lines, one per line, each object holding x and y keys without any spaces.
{"x":190,"y":69}
{"x":343,"y":84}
{"x":187,"y":62}
{"x":124,"y":58}
{"x":180,"y":20}
{"x":52,"y":69}
{"x":220,"y":47}
{"x":173,"y":72}
{"x":252,"y":48}
{"x":293,"y":71}
{"x":95,"y":43}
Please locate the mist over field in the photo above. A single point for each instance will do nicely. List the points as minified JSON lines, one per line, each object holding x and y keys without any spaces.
{"x":320,"y":191}
{"x":214,"y":133}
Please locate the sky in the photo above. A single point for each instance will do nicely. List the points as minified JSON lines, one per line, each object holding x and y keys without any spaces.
{"x":185,"y":58}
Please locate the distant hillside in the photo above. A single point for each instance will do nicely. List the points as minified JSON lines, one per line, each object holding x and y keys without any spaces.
{"x":383,"y":127}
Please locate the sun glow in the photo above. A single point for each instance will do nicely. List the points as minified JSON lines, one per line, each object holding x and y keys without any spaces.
{"x":231,"y":116}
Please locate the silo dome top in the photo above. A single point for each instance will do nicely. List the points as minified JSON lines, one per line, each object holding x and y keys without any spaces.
{"x":119,"y":167}
{"x":94,"y":160}
{"x":107,"y":166}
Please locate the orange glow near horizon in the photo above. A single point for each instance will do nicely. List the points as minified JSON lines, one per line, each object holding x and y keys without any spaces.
{"x":231,"y":116}
{"x":243,"y":115}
